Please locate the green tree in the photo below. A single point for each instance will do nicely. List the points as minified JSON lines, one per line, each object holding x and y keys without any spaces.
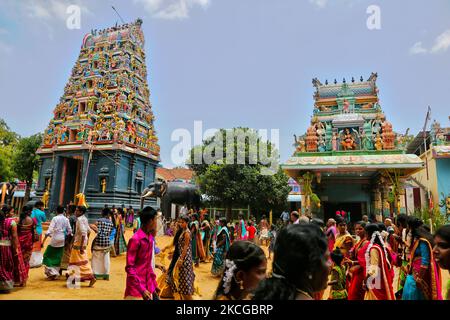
{"x":26,"y":160}
{"x":232,"y":170}
{"x":8,"y":139}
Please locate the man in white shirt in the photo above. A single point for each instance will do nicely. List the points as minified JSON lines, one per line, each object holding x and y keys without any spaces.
{"x":58,"y":230}
{"x":79,"y":262}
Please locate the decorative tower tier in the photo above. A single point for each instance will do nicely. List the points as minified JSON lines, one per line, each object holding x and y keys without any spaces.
{"x":101,"y":140}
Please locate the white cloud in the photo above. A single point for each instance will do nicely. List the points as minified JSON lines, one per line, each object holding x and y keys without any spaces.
{"x":48,"y":10}
{"x":442,"y":42}
{"x":417,"y":48}
{"x":319,"y":3}
{"x":172,"y":9}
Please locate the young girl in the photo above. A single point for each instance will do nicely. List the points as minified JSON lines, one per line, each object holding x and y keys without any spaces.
{"x":245,"y":268}
{"x":338,"y":278}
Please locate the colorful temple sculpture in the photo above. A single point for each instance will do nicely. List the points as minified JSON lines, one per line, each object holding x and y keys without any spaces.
{"x":101,"y":146}
{"x":350,"y":159}
{"x":430,"y":187}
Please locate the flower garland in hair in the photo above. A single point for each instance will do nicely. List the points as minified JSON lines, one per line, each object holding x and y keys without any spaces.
{"x":372,"y":240}
{"x":228,"y":275}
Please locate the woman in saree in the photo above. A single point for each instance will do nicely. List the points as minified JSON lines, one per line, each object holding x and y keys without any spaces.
{"x":423,"y":280}
{"x":181,"y":275}
{"x":241,"y":229}
{"x":26,"y":231}
{"x":344,"y":240}
{"x":130,"y":216}
{"x":9,"y":251}
{"x":222,"y":246}
{"x":378,"y":281}
{"x":206,"y":237}
{"x":198,"y":252}
{"x":120,"y":245}
{"x":441,"y":251}
{"x":357,"y":263}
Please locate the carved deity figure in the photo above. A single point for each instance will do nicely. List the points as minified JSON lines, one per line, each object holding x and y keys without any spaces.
{"x":103,"y":185}
{"x":346,"y":106}
{"x":378,"y":142}
{"x":388,"y":136}
{"x":347,"y":140}
{"x":334,"y":142}
{"x":311,"y":139}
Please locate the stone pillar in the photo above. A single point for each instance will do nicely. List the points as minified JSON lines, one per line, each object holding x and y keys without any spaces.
{"x":131,"y":174}
{"x":385,"y":199}
{"x":402,"y":195}
{"x":117,"y":158}
{"x":377,"y":204}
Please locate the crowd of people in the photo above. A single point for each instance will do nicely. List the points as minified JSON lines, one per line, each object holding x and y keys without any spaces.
{"x":22,"y":240}
{"x":357,"y":261}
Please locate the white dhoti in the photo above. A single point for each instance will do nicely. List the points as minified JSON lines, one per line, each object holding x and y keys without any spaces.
{"x":101,"y":262}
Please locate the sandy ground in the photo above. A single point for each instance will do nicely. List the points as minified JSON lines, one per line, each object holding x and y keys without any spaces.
{"x":39,"y":288}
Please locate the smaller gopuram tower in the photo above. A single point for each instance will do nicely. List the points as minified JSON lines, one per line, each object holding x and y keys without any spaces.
{"x":350,"y":159}
{"x":101,"y":140}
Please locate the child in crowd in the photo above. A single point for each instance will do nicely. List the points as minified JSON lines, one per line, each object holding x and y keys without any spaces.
{"x":338,"y":278}
{"x":251,"y":231}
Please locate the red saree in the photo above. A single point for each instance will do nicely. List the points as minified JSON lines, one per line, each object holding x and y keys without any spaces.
{"x":26,"y":234}
{"x":380,"y":279}
{"x":358,"y":274}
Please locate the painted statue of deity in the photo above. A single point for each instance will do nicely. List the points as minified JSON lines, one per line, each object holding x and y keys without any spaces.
{"x":378,"y":142}
{"x":311,"y":139}
{"x":388,"y":136}
{"x":64,"y":134}
{"x":103,"y":185}
{"x":346,"y":106}
{"x":80,"y":133}
{"x":321,"y":144}
{"x":347,"y":140}
{"x":366,"y":142}
{"x":334,"y":144}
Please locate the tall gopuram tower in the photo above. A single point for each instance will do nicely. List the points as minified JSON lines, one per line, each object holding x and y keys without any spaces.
{"x":101,"y":140}
{"x":350,"y":159}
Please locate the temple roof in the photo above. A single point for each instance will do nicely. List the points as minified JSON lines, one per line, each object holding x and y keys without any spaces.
{"x":346,"y":88}
{"x":409,"y":162}
{"x":130,"y":31}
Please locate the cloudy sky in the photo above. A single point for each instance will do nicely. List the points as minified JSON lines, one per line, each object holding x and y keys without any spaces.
{"x":235,"y":63}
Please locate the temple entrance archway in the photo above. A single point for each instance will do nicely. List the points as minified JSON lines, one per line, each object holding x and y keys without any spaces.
{"x":70,"y":179}
{"x":356,"y":209}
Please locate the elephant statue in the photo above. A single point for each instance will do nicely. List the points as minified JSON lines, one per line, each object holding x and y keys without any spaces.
{"x":180,"y":193}
{"x":7,"y":190}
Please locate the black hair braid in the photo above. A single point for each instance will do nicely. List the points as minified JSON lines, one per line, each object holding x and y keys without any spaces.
{"x":245,"y":255}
